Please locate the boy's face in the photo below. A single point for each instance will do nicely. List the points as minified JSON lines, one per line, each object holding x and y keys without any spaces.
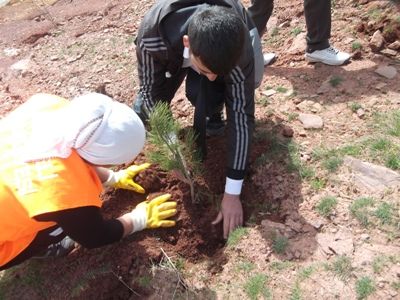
{"x":196,"y":62}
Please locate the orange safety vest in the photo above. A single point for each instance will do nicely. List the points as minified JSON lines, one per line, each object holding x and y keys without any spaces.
{"x":31,"y":189}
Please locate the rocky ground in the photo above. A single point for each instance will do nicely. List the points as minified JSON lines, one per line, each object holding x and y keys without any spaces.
{"x":322,"y":193}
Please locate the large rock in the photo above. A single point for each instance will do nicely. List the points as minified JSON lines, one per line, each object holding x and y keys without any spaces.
{"x":298,"y":44}
{"x":376,"y":42}
{"x":340,"y":243}
{"x":388,"y":72}
{"x":372,"y":177}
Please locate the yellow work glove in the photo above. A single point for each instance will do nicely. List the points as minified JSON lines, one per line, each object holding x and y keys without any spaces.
{"x":153,"y":213}
{"x":123,"y":179}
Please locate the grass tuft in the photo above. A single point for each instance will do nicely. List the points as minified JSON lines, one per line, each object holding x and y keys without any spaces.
{"x":280,"y":243}
{"x":359,"y":209}
{"x":364,"y":287}
{"x":235,"y":236}
{"x":255,"y":286}
{"x":341,"y":266}
{"x":326,"y":206}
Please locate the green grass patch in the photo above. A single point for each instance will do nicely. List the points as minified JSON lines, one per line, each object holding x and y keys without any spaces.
{"x":292,"y":116}
{"x":280,"y":243}
{"x":351,"y":150}
{"x":341,"y":266}
{"x":326,"y":206}
{"x":295,"y":293}
{"x":380,"y":144}
{"x":296,"y":31}
{"x":245,"y":266}
{"x":295,"y":163}
{"x":396,"y":285}
{"x":356,"y":46}
{"x":335,"y":80}
{"x":277,"y":266}
{"x":281,"y":89}
{"x":365,"y":286}
{"x":256,"y":285}
{"x":389,"y":123}
{"x":354,"y":106}
{"x":263,"y":101}
{"x":306,"y":272}
{"x":375,"y":13}
{"x":392,"y":160}
{"x":359,"y":209}
{"x":379,"y":263}
{"x":236,"y":235}
{"x":318,"y":183}
{"x":384,"y":212}
{"x":332,"y":164}
{"x":144,"y":281}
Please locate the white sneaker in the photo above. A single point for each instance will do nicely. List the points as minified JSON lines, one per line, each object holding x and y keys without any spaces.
{"x":329,"y":56}
{"x":269,"y":58}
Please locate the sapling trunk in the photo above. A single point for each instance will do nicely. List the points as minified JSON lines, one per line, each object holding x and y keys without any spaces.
{"x":171,"y":153}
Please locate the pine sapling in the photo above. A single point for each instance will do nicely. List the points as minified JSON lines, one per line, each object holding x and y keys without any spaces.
{"x":170,"y":152}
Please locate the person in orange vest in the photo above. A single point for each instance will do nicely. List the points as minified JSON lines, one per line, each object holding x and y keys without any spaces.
{"x":54,"y":159}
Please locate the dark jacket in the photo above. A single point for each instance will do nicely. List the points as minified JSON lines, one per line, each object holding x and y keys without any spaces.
{"x":159,"y":52}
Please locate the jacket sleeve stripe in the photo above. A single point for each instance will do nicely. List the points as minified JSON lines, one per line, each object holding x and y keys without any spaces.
{"x":241,"y":128}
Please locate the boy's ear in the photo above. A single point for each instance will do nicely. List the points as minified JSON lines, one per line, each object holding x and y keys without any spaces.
{"x":185,"y":40}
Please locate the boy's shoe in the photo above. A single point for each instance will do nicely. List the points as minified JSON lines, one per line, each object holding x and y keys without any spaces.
{"x":62,"y":248}
{"x":269,"y":58}
{"x":215,"y":125}
{"x":329,"y":56}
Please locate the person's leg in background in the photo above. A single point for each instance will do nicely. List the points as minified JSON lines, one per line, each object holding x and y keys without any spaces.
{"x":260,"y":11}
{"x":318,"y":20}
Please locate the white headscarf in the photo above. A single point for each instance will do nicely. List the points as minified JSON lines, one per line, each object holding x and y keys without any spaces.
{"x":103,"y":131}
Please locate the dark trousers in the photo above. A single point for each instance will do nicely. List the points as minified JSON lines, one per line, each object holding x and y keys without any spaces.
{"x":40,"y":243}
{"x":318,"y":20}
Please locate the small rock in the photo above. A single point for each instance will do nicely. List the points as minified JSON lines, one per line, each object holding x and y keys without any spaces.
{"x":21,"y":65}
{"x":334,"y":230}
{"x":380,"y":85}
{"x":393,"y":293}
{"x":360,"y":113}
{"x":310,"y":121}
{"x":386,"y":71}
{"x":11,"y":52}
{"x":297,"y":254}
{"x":381,"y":285}
{"x":395,"y":45}
{"x":389,"y":52}
{"x":302,"y":133}
{"x":287,"y":131}
{"x":317,"y":224}
{"x":365,"y":237}
{"x":269,"y":92}
{"x":284,"y":24}
{"x":376,"y":41}
{"x":349,"y":40}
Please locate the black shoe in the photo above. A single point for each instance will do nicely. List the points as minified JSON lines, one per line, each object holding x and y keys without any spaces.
{"x":59,"y":249}
{"x":215,"y":125}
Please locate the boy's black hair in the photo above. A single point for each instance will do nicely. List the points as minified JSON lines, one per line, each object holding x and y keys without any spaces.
{"x":216,"y":36}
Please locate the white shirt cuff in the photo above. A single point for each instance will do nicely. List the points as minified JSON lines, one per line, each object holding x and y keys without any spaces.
{"x":233,"y":186}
